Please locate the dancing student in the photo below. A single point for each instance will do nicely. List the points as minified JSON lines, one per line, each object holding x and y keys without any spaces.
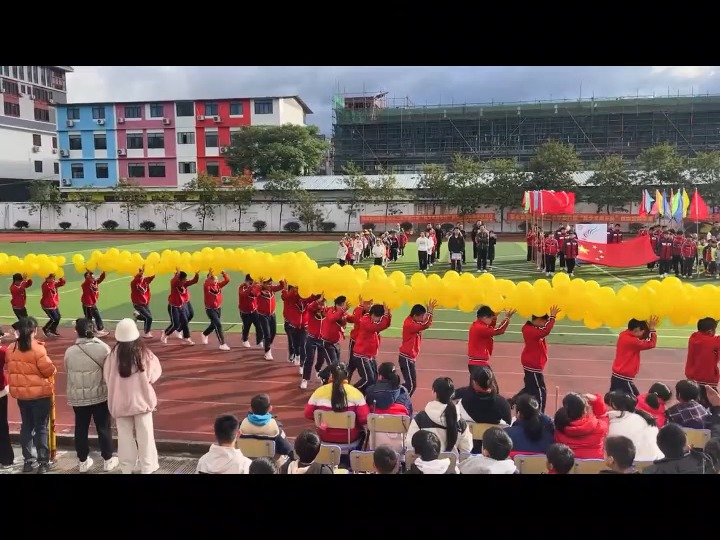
{"x":332,"y":332}
{"x":420,"y":319}
{"x":481,"y":339}
{"x":178,"y":315}
{"x":140,"y":298}
{"x":534,"y":356}
{"x":266,"y":312}
{"x":212,"y":295}
{"x":90,"y":295}
{"x":316,"y":316}
{"x":188,"y":307}
{"x":358,"y":312}
{"x":368,"y":344}
{"x":247,"y":303}
{"x":701,"y":364}
{"x":18,"y":295}
{"x":50,"y":302}
{"x":296,"y":322}
{"x":639,"y":336}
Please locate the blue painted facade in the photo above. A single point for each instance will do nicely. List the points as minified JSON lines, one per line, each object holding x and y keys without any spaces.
{"x":86,"y":126}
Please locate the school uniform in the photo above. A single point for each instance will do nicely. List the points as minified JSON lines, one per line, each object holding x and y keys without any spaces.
{"x":394,"y":245}
{"x":701,"y":364}
{"x":266,"y":313}
{"x":570,"y":252}
{"x":296,"y":321}
{"x":530,"y":241}
{"x":50,"y":304}
{"x":357,"y":314}
{"x":560,"y":236}
{"x":332,"y":331}
{"x":481,"y":341}
{"x":677,"y":242}
{"x":627,"y":360}
{"x":247,"y":304}
{"x":688,"y":251}
{"x":18,"y":297}
{"x":614,"y":237}
{"x":140,"y":298}
{"x":410,"y":348}
{"x":179,"y":321}
{"x":366,"y":349}
{"x":315,"y":317}
{"x":665,"y":252}
{"x":212,"y":296}
{"x":551,"y":251}
{"x":90,"y":295}
{"x":534,"y":358}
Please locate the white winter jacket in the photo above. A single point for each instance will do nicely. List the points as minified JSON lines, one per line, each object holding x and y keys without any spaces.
{"x":634,"y":427}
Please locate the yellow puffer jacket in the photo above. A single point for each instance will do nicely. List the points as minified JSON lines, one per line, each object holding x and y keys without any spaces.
{"x":30,"y":372}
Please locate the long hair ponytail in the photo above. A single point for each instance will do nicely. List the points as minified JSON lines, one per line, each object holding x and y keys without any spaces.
{"x":528,"y":409}
{"x":26,"y":331}
{"x":444,"y":390}
{"x":338,"y":397}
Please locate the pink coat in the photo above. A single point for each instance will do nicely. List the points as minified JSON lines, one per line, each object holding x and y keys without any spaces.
{"x":135,"y":394}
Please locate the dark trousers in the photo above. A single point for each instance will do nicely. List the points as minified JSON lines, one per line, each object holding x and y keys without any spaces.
{"x":215,"y":324}
{"x":530,"y":253}
{"x":312,"y":348}
{"x":329,"y":354}
{"x":423,"y":259}
{"x":475,"y":249}
{"x":297,"y":337}
{"x":367,"y":369}
{"x":534,"y":386}
{"x":249,"y":319}
{"x":189,"y":315}
{"x":676,"y":264}
{"x":688,"y":266}
{"x":463,"y":255}
{"x":92,"y":313}
{"x":482,"y":256}
{"x":623,"y":385}
{"x":409,"y":375}
{"x":341,"y":262}
{"x":378,"y":261}
{"x":7,"y":456}
{"x":144,"y":315}
{"x":53,"y":320}
{"x":664,"y":267}
{"x":178,"y":320}
{"x":437,"y":249}
{"x":456,"y":264}
{"x":35,"y":415}
{"x":561,"y":259}
{"x":100,"y":414}
{"x":570,"y":263}
{"x":351,"y":369}
{"x":549,"y":263}
{"x":491,"y":255}
{"x":393,"y":254}
{"x":268,"y":323}
{"x":20,"y":313}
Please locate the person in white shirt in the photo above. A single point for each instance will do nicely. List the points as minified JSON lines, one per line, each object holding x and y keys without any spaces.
{"x":342,"y":253}
{"x":378,"y":252}
{"x":637,"y":425}
{"x":357,"y":248}
{"x":423,"y":245}
{"x":223,"y":457}
{"x":431,"y":248}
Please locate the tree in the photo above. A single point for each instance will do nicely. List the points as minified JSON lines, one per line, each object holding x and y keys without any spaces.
{"x":553,"y":166}
{"x":504,"y":185}
{"x":660,"y":165}
{"x":282,"y":187}
{"x":206,"y":191}
{"x":434,"y":185}
{"x":88,"y":201}
{"x":306,"y":208}
{"x":239,"y":193}
{"x":131,"y":197}
{"x":262,"y":150}
{"x":164,"y":206}
{"x":357,"y":191}
{"x":613,"y":184}
{"x":386,"y":190}
{"x":44,"y":195}
{"x":465,"y":180}
{"x":706,"y":171}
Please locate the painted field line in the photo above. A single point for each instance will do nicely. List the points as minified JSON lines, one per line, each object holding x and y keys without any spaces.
{"x":610,"y":274}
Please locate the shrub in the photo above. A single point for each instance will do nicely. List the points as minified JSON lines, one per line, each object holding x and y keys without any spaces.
{"x":64,"y":225}
{"x":406,"y":226}
{"x":259,"y":225}
{"x":292,"y":226}
{"x":147,"y":225}
{"x":327,"y":226}
{"x":184,"y":226}
{"x":110,"y":225}
{"x":22,"y":225}
{"x":368,"y":226}
{"x":521,"y":226}
{"x":635,"y":227}
{"x":447,"y":227}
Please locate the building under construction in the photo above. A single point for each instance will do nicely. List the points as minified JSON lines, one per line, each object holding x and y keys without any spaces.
{"x":377,"y":133}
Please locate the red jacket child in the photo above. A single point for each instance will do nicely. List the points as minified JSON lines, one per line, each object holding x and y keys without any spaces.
{"x":627,"y":353}
{"x":333,"y":327}
{"x":368,"y":340}
{"x":357,"y":314}
{"x":295,"y":311}
{"x":482,"y":336}
{"x":688,"y":248}
{"x":140,"y":289}
{"x":530,"y":238}
{"x":677,"y":243}
{"x":701,"y":365}
{"x":571,"y":248}
{"x":50,"y":298}
{"x":316,"y":315}
{"x":534,"y":355}
{"x":266,"y":297}
{"x":18,"y":293}
{"x":90,"y":289}
{"x":551,"y":246}
{"x":666,"y":249}
{"x":402,"y":239}
{"x":247,"y":297}
{"x":586,"y":435}
{"x":212,"y":291}
{"x":412,"y":335}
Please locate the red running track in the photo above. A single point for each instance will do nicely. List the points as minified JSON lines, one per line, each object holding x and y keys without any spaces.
{"x":200,"y":382}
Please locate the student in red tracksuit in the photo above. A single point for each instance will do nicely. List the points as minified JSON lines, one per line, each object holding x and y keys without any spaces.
{"x":247,"y":304}
{"x":639,"y":336}
{"x":176,"y":301}
{"x":420,"y":319}
{"x":688,"y":251}
{"x":551,"y":250}
{"x":665,"y":251}
{"x":90,"y":294}
{"x":265,"y":294}
{"x":187,"y":306}
{"x":530,"y":241}
{"x":332,"y":332}
{"x":570,"y":248}
{"x":677,"y":241}
{"x":534,"y":356}
{"x":701,"y":364}
{"x":402,"y":241}
{"x":212,"y":296}
{"x":561,"y":235}
{"x":50,"y":302}
{"x":18,"y":295}
{"x":368,"y":344}
{"x":358,"y":312}
{"x":296,"y":322}
{"x":140,"y":298}
{"x":315,"y":317}
{"x":481,"y":339}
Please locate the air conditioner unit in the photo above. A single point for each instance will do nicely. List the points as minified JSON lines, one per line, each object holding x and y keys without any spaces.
{"x":51,"y":101}
{"x":31,"y":97}
{"x":66,"y":182}
{"x":122,"y":152}
{"x":36,"y":149}
{"x":121,"y":120}
{"x":217,"y":118}
{"x":223,"y":149}
{"x":166,"y":121}
{"x":70,"y":123}
{"x":64,"y":153}
{"x":54,"y":150}
{"x":225,"y":179}
{"x":100,"y":121}
{"x":200,"y":117}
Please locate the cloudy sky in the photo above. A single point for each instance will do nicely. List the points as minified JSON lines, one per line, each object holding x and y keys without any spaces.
{"x":423,"y":85}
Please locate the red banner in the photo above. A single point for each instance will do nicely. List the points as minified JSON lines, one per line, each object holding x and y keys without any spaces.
{"x":589,"y":217}
{"x":629,"y":254}
{"x":425,"y":218}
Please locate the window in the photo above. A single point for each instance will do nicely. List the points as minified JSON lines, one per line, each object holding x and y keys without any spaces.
{"x":12,"y":109}
{"x":14,"y":72}
{"x":264,"y":106}
{"x":211,"y":108}
{"x":38,"y":166}
{"x":43,"y":76}
{"x":212,"y":168}
{"x":156,"y":170}
{"x":77,"y":171}
{"x":54,"y":142}
{"x":136,"y":170}
{"x":21,"y":70}
{"x":6,"y":70}
{"x":98,"y":113}
{"x":34,"y":74}
{"x":211,"y":139}
{"x":102,"y":170}
{"x":187,"y":167}
{"x":11,"y":87}
{"x":133,"y":111}
{"x":156,"y":110}
{"x":37,"y":140}
{"x":39,"y":93}
{"x":42,"y":115}
{"x":185,"y":108}
{"x":156,"y":140}
{"x":186,"y":137}
{"x":73,"y":113}
{"x":134,"y":141}
{"x":100,"y":140}
{"x":236,"y":109}
{"x":56,"y":167}
{"x":75,"y":142}
{"x":22,"y":88}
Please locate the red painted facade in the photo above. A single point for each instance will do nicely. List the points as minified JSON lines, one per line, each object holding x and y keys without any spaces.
{"x":223,"y":129}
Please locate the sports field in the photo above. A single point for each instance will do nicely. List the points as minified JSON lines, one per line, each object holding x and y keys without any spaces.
{"x":450,"y":324}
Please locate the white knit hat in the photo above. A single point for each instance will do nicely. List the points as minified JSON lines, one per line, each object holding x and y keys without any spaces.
{"x":126,"y":331}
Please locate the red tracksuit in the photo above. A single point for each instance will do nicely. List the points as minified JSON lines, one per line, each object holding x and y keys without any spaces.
{"x":90,"y":290}
{"x":178,"y":291}
{"x":247,"y":298}
{"x":357,"y":314}
{"x":627,"y":357}
{"x":333,"y":327}
{"x":140,"y":290}
{"x":412,"y":336}
{"x":666,"y":249}
{"x":18,"y":294}
{"x":50,"y":298}
{"x":677,"y":243}
{"x":551,"y":246}
{"x":316,"y":315}
{"x":534,"y":355}
{"x":212,"y":292}
{"x":614,"y":237}
{"x":294,"y":309}
{"x":368,"y":340}
{"x":481,"y":341}
{"x":701,"y":365}
{"x":570,"y":248}
{"x":266,"y":298}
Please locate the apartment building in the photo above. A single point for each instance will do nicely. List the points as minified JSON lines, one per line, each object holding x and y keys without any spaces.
{"x":160,"y":144}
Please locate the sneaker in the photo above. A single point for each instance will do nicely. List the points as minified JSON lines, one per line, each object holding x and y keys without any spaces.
{"x":136,"y":314}
{"x":204,"y":339}
{"x":164,"y":338}
{"x":54,"y":334}
{"x":101,"y":333}
{"x":296,"y":361}
{"x":303,"y":384}
{"x":110,"y":464}
{"x":147,"y":335}
{"x":43,"y":468}
{"x":300,"y":370}
{"x":291,"y":358}
{"x":261,"y":345}
{"x":45,"y":332}
{"x":268,"y":355}
{"x":246,"y":344}
{"x":86,"y":465}
{"x":28,"y":467}
{"x":479,"y":271}
{"x":224,"y":347}
{"x":188,"y":341}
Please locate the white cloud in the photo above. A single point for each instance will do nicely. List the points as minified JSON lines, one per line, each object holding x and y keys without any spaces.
{"x":684,"y":72}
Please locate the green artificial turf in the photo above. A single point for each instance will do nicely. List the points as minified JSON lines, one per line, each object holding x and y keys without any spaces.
{"x":449,"y":324}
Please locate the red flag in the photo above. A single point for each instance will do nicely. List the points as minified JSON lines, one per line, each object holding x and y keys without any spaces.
{"x":635,"y":252}
{"x":557,"y":202}
{"x":641,"y":209}
{"x":698,"y":209}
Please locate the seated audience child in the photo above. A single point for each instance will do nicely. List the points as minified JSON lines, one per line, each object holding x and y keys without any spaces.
{"x":427,"y":447}
{"x":582,"y":424}
{"x":560,"y":459}
{"x":388,"y":396}
{"x":679,"y":457}
{"x":263,"y":465}
{"x":619,"y":455}
{"x":532,"y":432}
{"x":712,"y":450}
{"x":441,"y":417}
{"x":307,"y":447}
{"x":713,"y":421}
{"x":687,"y":411}
{"x":385,"y":460}
{"x":223,"y":457}
{"x":654,"y":402}
{"x":495,"y":455}
{"x":260,"y":424}
{"x":638,"y":426}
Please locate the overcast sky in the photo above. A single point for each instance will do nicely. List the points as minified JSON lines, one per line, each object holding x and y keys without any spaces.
{"x":423,"y":85}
